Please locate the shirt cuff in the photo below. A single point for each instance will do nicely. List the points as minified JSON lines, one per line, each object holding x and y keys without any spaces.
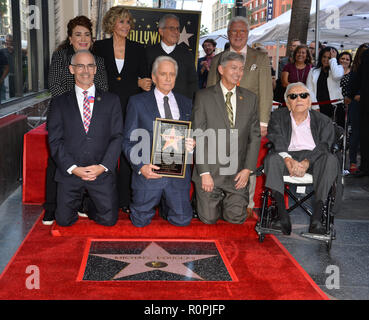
{"x":106,"y":169}
{"x":71,"y":169}
{"x":263,"y":124}
{"x":284,"y":155}
{"x":201,"y":174}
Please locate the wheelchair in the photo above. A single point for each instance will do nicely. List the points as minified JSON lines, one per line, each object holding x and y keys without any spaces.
{"x":269,"y":210}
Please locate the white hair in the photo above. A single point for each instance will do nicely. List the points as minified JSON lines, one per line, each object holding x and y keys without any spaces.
{"x":238,"y":19}
{"x":161,"y":59}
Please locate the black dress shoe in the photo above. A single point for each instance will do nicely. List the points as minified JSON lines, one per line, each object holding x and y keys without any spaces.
{"x":316,"y":227}
{"x":284,"y":226}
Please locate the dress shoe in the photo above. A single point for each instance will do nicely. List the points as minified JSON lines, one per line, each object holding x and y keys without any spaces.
{"x":282,"y":225}
{"x":316,"y":227}
{"x":285,"y":223}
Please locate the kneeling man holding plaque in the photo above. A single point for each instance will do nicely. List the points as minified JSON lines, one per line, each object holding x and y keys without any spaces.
{"x":156,"y":143}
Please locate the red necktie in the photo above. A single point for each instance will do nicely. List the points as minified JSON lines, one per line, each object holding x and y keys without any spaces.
{"x":86,"y":111}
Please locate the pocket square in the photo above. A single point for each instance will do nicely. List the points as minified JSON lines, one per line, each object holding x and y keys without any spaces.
{"x":253,"y":67}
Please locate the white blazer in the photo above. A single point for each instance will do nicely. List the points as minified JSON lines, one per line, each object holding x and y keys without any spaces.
{"x":335,"y":75}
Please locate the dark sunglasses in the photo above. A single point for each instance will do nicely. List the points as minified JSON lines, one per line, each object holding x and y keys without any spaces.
{"x":294,"y":96}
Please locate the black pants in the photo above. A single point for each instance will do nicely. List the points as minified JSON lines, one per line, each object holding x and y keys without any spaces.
{"x":102,"y":192}
{"x":324,"y":171}
{"x":51,"y":191}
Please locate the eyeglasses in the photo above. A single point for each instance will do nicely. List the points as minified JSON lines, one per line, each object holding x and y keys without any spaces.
{"x":82,"y":67}
{"x":294,"y":96}
{"x":236,"y":32}
{"x":172,"y":29}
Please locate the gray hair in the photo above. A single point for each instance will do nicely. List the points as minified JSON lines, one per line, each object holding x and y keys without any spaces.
{"x":80,"y":52}
{"x":238,"y":19}
{"x":164,"y":18}
{"x":292,"y":85}
{"x":161,"y":59}
{"x":231,"y":56}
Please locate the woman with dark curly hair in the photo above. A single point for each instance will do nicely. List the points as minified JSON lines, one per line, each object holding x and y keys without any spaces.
{"x":61,"y":81}
{"x":79,"y":37}
{"x":126,"y":66}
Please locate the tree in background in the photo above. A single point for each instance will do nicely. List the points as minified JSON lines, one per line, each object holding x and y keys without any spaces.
{"x":299,"y":23}
{"x":3,"y":11}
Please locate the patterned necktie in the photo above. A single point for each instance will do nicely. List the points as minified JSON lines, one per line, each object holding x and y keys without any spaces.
{"x":168,"y":113}
{"x":229,"y":108}
{"x":86,"y":111}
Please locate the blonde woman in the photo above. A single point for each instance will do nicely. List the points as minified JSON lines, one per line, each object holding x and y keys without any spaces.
{"x":126,"y":66}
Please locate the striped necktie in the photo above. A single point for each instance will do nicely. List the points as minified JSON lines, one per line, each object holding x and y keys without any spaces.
{"x":229,"y":108}
{"x":86,"y":111}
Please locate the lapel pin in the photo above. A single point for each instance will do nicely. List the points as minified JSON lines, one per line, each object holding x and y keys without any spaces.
{"x":241,"y":98}
{"x":253,"y":67}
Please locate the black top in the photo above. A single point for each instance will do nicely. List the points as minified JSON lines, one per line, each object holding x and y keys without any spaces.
{"x":124,"y":83}
{"x":345,"y":84}
{"x":322,"y":86}
{"x":60,"y":78}
{"x":186,"y":82}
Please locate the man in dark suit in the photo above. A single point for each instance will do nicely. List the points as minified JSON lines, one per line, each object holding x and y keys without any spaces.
{"x":222,"y":186}
{"x":85,"y":135}
{"x":148,"y":187}
{"x":186,"y":81}
{"x":302,"y":140}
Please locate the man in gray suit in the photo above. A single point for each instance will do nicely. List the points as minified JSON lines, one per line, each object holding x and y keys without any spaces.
{"x":227,"y":131}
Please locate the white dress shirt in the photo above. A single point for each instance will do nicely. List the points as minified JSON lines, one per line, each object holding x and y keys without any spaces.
{"x":243,"y":51}
{"x":159,"y":96}
{"x":166,"y":48}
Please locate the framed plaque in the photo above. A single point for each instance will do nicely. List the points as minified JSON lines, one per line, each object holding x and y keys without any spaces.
{"x":168,"y":147}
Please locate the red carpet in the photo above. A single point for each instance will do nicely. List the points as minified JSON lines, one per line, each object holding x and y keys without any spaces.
{"x":263,"y":270}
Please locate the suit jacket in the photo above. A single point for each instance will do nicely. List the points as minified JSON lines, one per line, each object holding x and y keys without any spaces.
{"x":210,"y":113}
{"x":142,"y":110}
{"x":124,"y":84}
{"x":68,"y":141}
{"x":322,"y":130}
{"x":256,"y":78}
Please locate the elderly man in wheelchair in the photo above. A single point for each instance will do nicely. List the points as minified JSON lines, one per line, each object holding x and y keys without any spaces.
{"x":302,"y":141}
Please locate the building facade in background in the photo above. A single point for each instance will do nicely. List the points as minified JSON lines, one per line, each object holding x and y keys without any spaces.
{"x":220,"y":15}
{"x":257,"y":10}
